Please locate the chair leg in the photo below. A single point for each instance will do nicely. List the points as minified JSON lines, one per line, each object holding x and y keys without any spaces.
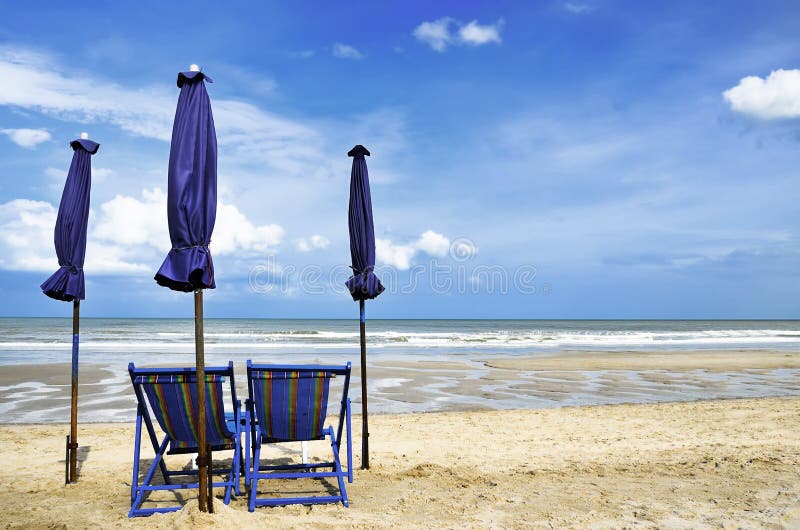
{"x":237,"y":478}
{"x":140,"y":491}
{"x":254,"y":478}
{"x":136,"y":453}
{"x":337,"y":467}
{"x":349,"y":444}
{"x":246,"y":450}
{"x":239,"y":471}
{"x":233,"y":476}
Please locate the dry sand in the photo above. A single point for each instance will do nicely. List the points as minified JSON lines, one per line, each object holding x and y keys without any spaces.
{"x":708,"y":464}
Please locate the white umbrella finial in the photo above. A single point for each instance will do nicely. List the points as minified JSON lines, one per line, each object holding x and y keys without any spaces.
{"x":84,"y":136}
{"x":194,"y":68}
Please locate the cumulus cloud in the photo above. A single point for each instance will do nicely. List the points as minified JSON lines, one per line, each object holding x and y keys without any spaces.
{"x":434,"y":244}
{"x":398,"y":256}
{"x":133,"y":221}
{"x":343,"y":51}
{"x":446,"y":31}
{"x":26,"y":242}
{"x":26,"y":235}
{"x":436,"y":33}
{"x":126,"y":234}
{"x":429,"y":242}
{"x":313,"y":243}
{"x":776,"y":96}
{"x":476,"y":35}
{"x":28,"y":138}
{"x":235,"y":233}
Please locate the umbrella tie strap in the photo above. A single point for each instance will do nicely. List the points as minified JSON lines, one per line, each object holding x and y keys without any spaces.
{"x":202,"y":461}
{"x":72,"y":268}
{"x":72,"y":445}
{"x":201,"y":245}
{"x":363,"y":272}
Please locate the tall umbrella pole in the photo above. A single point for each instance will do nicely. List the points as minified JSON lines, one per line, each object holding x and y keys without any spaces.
{"x":202,"y":454}
{"x":72,"y":440}
{"x":364,"y":419}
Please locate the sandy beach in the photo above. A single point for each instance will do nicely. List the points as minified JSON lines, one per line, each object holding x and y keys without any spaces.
{"x":710,"y":464}
{"x":679,"y":439}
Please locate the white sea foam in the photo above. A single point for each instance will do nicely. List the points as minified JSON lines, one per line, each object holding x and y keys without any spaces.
{"x":408,"y":340}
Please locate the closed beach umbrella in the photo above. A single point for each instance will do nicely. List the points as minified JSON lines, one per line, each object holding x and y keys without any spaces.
{"x":191,"y":212}
{"x":67,"y":283}
{"x":363,"y":285}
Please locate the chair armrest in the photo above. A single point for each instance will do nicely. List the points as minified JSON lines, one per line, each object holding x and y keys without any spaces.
{"x":251,"y":424}
{"x":237,"y":414}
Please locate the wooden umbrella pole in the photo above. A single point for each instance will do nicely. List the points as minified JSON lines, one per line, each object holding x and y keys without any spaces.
{"x":202,"y":455}
{"x":72,"y":446}
{"x":364,"y":420}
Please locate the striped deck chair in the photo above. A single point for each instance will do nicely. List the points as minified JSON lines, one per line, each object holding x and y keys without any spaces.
{"x":171,"y":394}
{"x":288,"y":403}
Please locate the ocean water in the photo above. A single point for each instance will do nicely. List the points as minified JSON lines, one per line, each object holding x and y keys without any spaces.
{"x":45,"y":340}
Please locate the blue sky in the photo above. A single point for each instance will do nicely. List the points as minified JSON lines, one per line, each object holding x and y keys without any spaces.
{"x":529,"y":159}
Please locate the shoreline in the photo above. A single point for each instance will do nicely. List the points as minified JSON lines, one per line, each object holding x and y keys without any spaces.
{"x":719,"y":463}
{"x":33,"y":393}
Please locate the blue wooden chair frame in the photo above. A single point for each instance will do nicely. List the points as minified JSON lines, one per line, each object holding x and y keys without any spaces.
{"x":301,"y":420}
{"x":224,"y":429}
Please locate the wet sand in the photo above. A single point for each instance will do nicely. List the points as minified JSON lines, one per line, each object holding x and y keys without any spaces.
{"x":33,"y":393}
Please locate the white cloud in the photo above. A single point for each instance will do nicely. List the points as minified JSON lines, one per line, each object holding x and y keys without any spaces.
{"x":434,"y":244}
{"x":314,"y":242}
{"x":475,"y":34}
{"x":55,"y":173}
{"x":777,"y":96}
{"x":398,"y":256}
{"x":343,"y":51}
{"x":438,"y":33}
{"x":26,"y":235}
{"x":134,"y":222}
{"x":27,"y":138}
{"x":235,"y":233}
{"x":429,"y":242}
{"x":126,"y":234}
{"x":26,"y":242}
{"x":143,"y":222}
{"x":100,"y":174}
{"x":577,"y":9}
{"x":318,"y":241}
{"x":36,"y":81}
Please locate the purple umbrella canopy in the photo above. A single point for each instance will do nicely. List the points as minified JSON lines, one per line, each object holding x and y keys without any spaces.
{"x":67,"y":283}
{"x":191,"y":212}
{"x":363,"y":285}
{"x":192,"y":189}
